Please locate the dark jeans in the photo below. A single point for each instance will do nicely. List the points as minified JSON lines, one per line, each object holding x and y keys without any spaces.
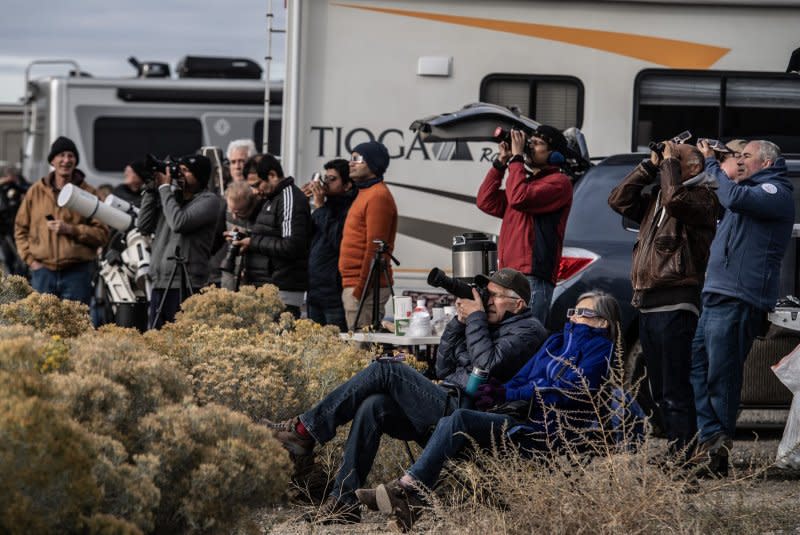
{"x":74,"y":282}
{"x":666,"y":339}
{"x":541,"y":295}
{"x":384,"y":397}
{"x":452,"y":436}
{"x":723,"y":339}
{"x":172,"y":304}
{"x":333,"y":315}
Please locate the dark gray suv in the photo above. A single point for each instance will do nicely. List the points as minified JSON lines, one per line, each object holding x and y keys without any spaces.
{"x":597,"y":254}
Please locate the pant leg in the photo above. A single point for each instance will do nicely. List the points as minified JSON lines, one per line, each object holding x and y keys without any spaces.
{"x":75,"y":282}
{"x":377,"y":414}
{"x":172,"y":304}
{"x":335,"y":316}
{"x":422,"y":402}
{"x":315,"y":313}
{"x":541,"y":295}
{"x":667,"y":345}
{"x":452,"y":437}
{"x":44,"y":281}
{"x":699,"y":379}
{"x":350,"y":305}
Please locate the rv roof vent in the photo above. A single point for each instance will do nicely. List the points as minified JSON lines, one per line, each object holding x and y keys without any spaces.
{"x":150,"y":69}
{"x":211,"y":67}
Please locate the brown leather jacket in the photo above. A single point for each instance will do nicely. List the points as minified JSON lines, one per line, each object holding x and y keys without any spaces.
{"x":677,"y":223}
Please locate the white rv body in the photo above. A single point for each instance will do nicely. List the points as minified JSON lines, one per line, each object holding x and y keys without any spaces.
{"x":359,"y":70}
{"x":113,"y":120}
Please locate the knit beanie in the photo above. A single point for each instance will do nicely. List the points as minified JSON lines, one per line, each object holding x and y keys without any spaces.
{"x":376,"y":155}
{"x":553,"y":136}
{"x":200,"y":166}
{"x":140,"y":168}
{"x":63,"y":144}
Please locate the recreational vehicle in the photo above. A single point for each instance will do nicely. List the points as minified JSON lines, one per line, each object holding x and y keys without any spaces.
{"x":624,"y":73}
{"x":114,"y":121}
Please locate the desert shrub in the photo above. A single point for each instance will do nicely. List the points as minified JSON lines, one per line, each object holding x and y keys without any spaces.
{"x":94,"y":401}
{"x":214,"y":463}
{"x":48,"y":314}
{"x":46,"y":461}
{"x":254,"y":309}
{"x":13,"y":288}
{"x":103,"y":524}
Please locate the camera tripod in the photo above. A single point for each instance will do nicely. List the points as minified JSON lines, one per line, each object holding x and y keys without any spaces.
{"x":377,"y":269}
{"x":184,"y":290}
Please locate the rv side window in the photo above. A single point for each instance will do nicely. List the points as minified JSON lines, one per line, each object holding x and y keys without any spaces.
{"x":553,"y":100}
{"x":720,"y":105}
{"x":120,"y":140}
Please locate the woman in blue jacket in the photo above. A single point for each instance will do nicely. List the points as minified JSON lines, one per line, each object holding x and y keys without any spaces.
{"x":561,"y":377}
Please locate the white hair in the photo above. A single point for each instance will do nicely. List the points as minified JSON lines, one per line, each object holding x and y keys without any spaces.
{"x":242,"y":144}
{"x":767,"y":150}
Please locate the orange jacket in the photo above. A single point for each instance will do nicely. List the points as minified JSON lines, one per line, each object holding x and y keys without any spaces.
{"x":56,"y":251}
{"x":373,"y":216}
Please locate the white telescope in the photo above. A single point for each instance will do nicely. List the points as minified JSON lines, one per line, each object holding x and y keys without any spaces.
{"x":88,"y":205}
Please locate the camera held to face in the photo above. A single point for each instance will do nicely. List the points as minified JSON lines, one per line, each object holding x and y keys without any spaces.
{"x":439,"y":279}
{"x":658,"y":148}
{"x":320,"y":179}
{"x":153,"y":165}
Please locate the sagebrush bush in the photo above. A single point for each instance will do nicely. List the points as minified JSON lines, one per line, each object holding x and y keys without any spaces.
{"x":13,"y":288}
{"x":213,"y":463}
{"x":254,"y":309}
{"x":48,"y":314}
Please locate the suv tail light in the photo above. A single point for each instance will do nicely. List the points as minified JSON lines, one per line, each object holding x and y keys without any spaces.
{"x":573,"y":261}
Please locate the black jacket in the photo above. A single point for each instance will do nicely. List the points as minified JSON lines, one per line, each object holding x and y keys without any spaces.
{"x":501,"y":349}
{"x":325,"y":281}
{"x":280,"y":240}
{"x":125,"y":193}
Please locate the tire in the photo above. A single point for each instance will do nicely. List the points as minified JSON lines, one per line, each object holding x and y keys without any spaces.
{"x":635,"y":379}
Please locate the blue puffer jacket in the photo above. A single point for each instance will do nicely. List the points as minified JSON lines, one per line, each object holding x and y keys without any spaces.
{"x":567,"y":368}
{"x":501,"y":349}
{"x":751,"y":239}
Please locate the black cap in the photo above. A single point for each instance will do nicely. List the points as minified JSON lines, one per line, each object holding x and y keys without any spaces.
{"x":508,"y":278}
{"x":200,"y":166}
{"x":63,"y":144}
{"x":552,"y":135}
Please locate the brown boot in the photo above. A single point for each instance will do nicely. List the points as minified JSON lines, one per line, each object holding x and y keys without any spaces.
{"x":287,"y":435}
{"x":711,"y":457}
{"x":403,"y":505}
{"x":367,"y":498}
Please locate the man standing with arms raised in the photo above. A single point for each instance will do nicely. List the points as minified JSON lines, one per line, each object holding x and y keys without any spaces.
{"x":372,"y":216}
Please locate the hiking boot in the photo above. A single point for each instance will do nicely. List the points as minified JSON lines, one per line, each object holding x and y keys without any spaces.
{"x":286,"y":433}
{"x":403,"y":505}
{"x":711,"y":457}
{"x":367,"y":498}
{"x":334,"y":511}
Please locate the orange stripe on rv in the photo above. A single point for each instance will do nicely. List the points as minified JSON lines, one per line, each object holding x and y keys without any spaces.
{"x":668,"y":52}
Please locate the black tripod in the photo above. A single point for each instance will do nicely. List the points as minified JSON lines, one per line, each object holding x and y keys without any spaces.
{"x":185,"y":288}
{"x":377,"y":269}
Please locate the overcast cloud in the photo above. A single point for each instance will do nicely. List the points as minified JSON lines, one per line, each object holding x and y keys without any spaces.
{"x":101,"y":35}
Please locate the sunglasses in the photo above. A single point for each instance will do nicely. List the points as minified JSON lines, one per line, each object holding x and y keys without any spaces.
{"x":357,"y":159}
{"x":582,"y":313}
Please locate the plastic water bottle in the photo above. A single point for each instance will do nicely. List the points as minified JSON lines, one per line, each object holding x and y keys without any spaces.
{"x":420,"y":324}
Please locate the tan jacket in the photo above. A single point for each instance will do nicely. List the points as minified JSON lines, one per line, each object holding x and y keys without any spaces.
{"x":35,"y":242}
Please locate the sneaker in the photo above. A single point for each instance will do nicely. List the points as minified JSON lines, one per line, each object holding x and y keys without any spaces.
{"x":334,"y":511}
{"x":404,"y":506}
{"x":367,"y":498}
{"x":287,"y":435}
{"x":711,"y":457}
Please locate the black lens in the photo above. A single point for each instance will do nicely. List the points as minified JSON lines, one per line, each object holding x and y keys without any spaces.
{"x":439,"y":279}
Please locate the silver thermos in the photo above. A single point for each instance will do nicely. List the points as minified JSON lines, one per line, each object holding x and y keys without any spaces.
{"x":473,"y":253}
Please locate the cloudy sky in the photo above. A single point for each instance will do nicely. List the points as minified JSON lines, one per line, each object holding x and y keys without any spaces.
{"x":101,"y":34}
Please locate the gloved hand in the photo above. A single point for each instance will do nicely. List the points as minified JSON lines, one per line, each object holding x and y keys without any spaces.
{"x":489,"y":395}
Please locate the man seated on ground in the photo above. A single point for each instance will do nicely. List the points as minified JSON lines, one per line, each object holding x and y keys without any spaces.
{"x":560,"y":377}
{"x":391,"y":397}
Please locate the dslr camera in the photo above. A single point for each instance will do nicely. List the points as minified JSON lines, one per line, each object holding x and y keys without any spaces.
{"x":439,"y":279}
{"x":320,"y":179}
{"x":228,"y":263}
{"x":153,"y":165}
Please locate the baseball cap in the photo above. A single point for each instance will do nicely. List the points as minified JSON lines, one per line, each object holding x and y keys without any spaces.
{"x":508,"y":278}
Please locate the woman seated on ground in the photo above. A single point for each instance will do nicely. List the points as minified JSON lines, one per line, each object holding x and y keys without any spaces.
{"x":560,"y":379}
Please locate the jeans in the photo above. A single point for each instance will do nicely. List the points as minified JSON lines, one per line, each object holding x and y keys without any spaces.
{"x":73,"y":282}
{"x":332,"y":315}
{"x":452,"y":436}
{"x":723,"y":339}
{"x":666,"y":339}
{"x":350,"y":305}
{"x":541,"y":295}
{"x":384,"y":397}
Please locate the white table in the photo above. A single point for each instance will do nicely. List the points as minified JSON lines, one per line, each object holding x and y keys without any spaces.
{"x":414,"y":342}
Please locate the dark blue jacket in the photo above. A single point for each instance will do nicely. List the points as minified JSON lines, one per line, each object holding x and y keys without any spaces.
{"x":325,"y":281}
{"x":567,"y":368}
{"x":501,"y":349}
{"x":751,"y":239}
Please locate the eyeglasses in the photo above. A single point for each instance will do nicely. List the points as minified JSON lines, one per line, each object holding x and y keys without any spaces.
{"x":357,"y":159}
{"x":582,"y":313}
{"x":493,"y":295}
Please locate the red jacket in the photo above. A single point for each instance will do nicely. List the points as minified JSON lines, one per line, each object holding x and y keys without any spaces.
{"x":534,"y":212}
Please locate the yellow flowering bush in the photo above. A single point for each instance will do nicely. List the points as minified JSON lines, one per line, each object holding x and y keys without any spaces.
{"x":213,"y":463}
{"x":13,"y":288}
{"x":254,"y":309}
{"x":48,"y":314}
